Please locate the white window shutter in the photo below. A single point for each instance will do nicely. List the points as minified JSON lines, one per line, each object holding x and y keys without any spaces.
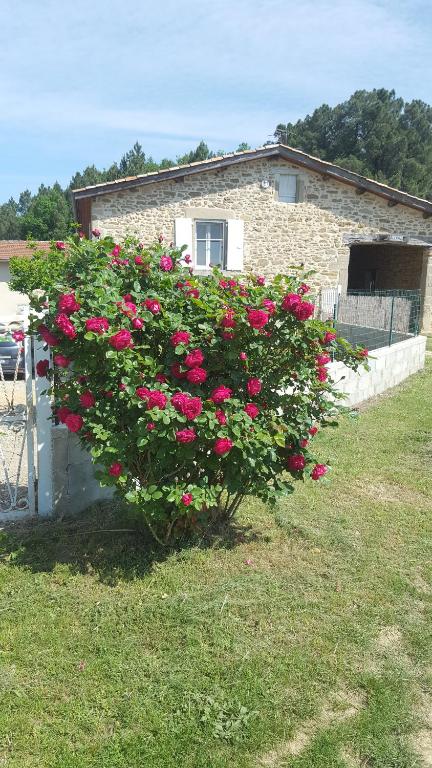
{"x":287,"y":188}
{"x":235,"y":245}
{"x":184,"y":234}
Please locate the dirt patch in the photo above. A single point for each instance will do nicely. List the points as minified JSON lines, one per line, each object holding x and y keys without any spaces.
{"x":390,"y":493}
{"x":390,"y":639}
{"x":340,"y":706}
{"x":422,"y":745}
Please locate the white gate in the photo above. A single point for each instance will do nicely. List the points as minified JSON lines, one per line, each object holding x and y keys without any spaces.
{"x":25,"y":432}
{"x":17,"y":465}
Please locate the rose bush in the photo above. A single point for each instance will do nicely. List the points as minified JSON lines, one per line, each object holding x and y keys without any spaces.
{"x":189,"y":391}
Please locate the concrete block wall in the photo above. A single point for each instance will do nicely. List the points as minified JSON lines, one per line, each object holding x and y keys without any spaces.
{"x":388,"y":366}
{"x":75,"y":486}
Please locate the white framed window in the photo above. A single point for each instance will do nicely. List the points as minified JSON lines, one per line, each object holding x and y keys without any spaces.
{"x":210,"y":244}
{"x":288,"y":188}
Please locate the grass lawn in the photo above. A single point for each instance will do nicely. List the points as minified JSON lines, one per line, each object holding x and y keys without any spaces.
{"x":429,"y":343}
{"x":301,"y":639}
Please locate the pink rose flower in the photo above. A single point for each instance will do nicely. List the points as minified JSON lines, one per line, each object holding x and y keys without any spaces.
{"x":74,"y":422}
{"x":47,"y":336}
{"x":222,"y":446}
{"x":257,"y":318}
{"x":96,"y":232}
{"x":187,"y":259}
{"x":161,"y":378}
{"x":227,"y":335}
{"x":151,"y":426}
{"x":364,"y":352}
{"x":116,"y":250}
{"x":67,"y":303}
{"x":194,"y":358}
{"x":18,"y":336}
{"x":322,"y":359}
{"x":142,"y":392}
{"x":42,"y":368}
{"x":180,"y":337}
{"x":166,"y":263}
{"x":115,"y":469}
{"x":87,"y":399}
{"x":303,"y":443}
{"x":138,"y":323}
{"x":260,"y":280}
{"x":269,"y":305}
{"x":97,"y":324}
{"x":138,"y":260}
{"x":122,"y":387}
{"x":318,"y":471}
{"x":254,"y":387}
{"x":60,"y":245}
{"x":66,"y":326}
{"x":193,"y":293}
{"x":322,"y":374}
{"x":221,"y":417}
{"x":62,"y":361}
{"x":291,"y":301}
{"x":243,"y":356}
{"x":156,"y":399}
{"x":220,"y":394}
{"x":304,"y":289}
{"x":187,"y":435}
{"x":196,"y":375}
{"x":296,"y":462}
{"x":329,"y":336}
{"x":153,"y":306}
{"x":121,"y":340}
{"x":304,"y":310}
{"x":252,"y":410}
{"x":187,"y":499}
{"x":313,"y":431}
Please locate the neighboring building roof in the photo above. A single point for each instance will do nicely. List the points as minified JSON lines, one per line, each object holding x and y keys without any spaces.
{"x":295,"y":156}
{"x":9,"y":248}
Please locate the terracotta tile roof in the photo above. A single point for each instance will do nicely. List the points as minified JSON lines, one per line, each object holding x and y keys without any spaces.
{"x":9,"y":248}
{"x":295,"y":156}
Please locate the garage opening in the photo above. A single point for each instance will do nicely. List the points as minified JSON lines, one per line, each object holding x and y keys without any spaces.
{"x":382,"y":303}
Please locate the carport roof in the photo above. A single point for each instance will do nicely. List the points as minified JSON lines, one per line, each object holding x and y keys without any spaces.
{"x":295,"y":156}
{"x":10,"y":248}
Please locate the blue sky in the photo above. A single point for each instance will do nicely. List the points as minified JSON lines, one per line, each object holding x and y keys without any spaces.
{"x":81,"y":81}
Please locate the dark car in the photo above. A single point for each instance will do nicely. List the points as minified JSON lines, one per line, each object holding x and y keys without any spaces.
{"x":8,"y":355}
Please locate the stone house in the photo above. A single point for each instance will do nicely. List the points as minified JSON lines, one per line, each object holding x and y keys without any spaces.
{"x":268,"y":209}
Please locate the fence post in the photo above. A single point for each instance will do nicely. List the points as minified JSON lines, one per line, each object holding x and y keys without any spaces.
{"x":43,"y":437}
{"x":391,"y":322}
{"x":28,"y":375}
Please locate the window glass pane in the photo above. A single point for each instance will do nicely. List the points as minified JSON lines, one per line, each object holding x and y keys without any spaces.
{"x":201,"y":230}
{"x":216,"y":252}
{"x":288,"y":188}
{"x":216,"y":230}
{"x":201,"y":253}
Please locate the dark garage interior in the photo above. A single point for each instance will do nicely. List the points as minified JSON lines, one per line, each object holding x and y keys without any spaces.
{"x":385,"y":266}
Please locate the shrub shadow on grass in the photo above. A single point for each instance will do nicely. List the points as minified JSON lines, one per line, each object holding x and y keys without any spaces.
{"x":103,"y":541}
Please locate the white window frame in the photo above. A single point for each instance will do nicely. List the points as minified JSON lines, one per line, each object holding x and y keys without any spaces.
{"x":208,"y":240}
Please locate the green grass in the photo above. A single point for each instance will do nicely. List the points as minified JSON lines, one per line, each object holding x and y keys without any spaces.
{"x":429,"y":343}
{"x":114,"y":655}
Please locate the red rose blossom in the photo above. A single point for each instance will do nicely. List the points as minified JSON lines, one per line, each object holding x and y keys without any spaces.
{"x":180,"y":337}
{"x":220,"y":394}
{"x":254,"y":387}
{"x":97,"y":324}
{"x":67,"y":303}
{"x":150,"y":426}
{"x":42,"y":368}
{"x":66,"y":326}
{"x":74,"y":422}
{"x":187,"y":435}
{"x":47,"y":336}
{"x":228,"y":320}
{"x":322,"y":374}
{"x":364,"y":352}
{"x":303,"y":443}
{"x":291,"y":301}
{"x":153,"y":306}
{"x":304,"y":310}
{"x":222,"y":446}
{"x":142,"y":392}
{"x":318,"y":471}
{"x":161,"y":378}
{"x":137,"y":323}
{"x":257,"y":318}
{"x":269,"y":305}
{"x":194,"y":358}
{"x":221,"y":417}
{"x":260,"y":280}
{"x":96,"y":232}
{"x":187,"y":499}
{"x":296,"y":462}
{"x":87,"y":399}
{"x":252,"y":410}
{"x":60,"y":245}
{"x":329,"y":336}
{"x":322,"y":359}
{"x":62,"y":412}
{"x":121,"y":340}
{"x":115,"y":469}
{"x":177,"y":372}
{"x":313,"y":431}
{"x":156,"y":399}
{"x":138,"y":260}
{"x":196,"y":375}
{"x":62,"y":361}
{"x":18,"y":336}
{"x":243,"y":356}
{"x":116,"y":250}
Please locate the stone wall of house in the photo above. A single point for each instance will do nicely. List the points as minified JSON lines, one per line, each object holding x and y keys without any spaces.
{"x":278,"y":235}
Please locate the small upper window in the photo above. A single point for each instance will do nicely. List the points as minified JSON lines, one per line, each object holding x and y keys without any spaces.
{"x":210,"y":243}
{"x":288,"y":188}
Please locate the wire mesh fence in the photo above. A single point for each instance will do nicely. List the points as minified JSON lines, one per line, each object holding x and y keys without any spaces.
{"x":374,"y":319}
